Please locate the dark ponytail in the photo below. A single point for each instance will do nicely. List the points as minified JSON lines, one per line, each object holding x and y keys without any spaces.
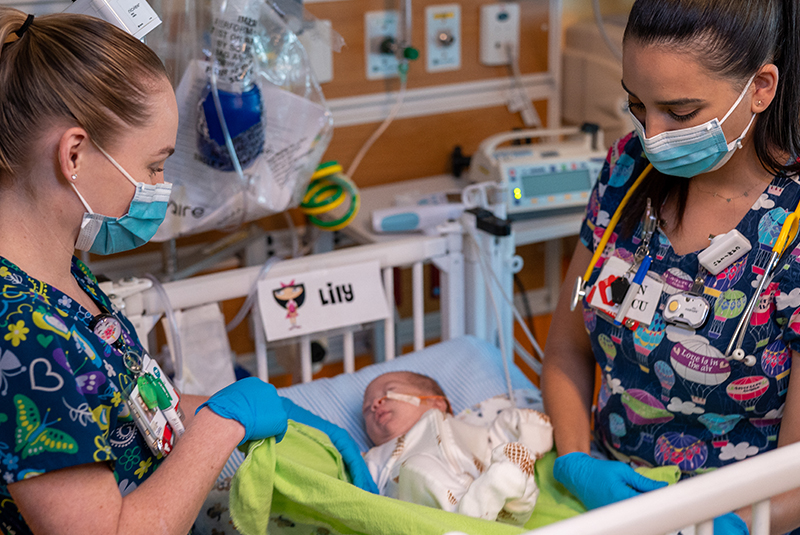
{"x":731,"y":38}
{"x":778,"y":130}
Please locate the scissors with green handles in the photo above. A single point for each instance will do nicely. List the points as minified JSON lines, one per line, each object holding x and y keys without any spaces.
{"x":785,"y":239}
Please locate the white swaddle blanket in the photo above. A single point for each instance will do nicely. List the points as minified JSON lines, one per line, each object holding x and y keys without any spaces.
{"x":484,"y":472}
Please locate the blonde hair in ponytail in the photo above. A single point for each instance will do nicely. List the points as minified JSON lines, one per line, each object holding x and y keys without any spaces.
{"x":69,"y":68}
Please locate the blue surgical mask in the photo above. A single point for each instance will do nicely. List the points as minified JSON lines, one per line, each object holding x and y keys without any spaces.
{"x":695,"y":150}
{"x":108,"y":235}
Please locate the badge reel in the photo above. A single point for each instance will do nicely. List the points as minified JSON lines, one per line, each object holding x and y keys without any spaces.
{"x":691,"y":308}
{"x":152,"y":403}
{"x":107,"y":328}
{"x":688,"y":308}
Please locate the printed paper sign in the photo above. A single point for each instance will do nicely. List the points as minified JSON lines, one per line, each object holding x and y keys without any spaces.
{"x":643,"y":307}
{"x":322,"y":300}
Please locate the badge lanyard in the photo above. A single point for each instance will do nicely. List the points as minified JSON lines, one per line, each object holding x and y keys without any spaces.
{"x":151,"y":399}
{"x":579,"y":290}
{"x":625,"y":289}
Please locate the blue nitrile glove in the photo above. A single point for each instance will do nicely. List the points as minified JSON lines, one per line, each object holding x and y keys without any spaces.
{"x":351,"y":455}
{"x":254,"y":404}
{"x":730,"y":524}
{"x":597,"y":483}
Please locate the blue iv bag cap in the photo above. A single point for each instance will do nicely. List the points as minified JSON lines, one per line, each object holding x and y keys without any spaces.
{"x":243,"y":113}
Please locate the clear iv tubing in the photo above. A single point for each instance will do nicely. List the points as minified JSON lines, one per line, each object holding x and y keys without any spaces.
{"x":497,"y":317}
{"x":601,"y":26}
{"x":384,"y":125}
{"x":248,"y":302}
{"x":177,"y":354}
{"x":537,"y":367}
{"x":229,"y":142}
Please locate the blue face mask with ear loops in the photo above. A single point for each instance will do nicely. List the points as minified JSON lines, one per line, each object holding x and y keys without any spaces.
{"x":105,"y":235}
{"x":691,"y":151}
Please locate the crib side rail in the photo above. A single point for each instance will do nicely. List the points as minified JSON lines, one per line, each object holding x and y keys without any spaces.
{"x":196,"y":291}
{"x":444,"y":251}
{"x":695,"y":501}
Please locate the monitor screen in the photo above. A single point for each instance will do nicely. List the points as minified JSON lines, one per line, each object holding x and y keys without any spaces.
{"x":564,"y":182}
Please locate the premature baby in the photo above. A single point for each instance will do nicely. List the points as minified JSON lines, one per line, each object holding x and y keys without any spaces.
{"x":424,"y":455}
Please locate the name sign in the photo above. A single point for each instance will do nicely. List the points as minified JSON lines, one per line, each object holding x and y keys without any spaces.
{"x":321,"y":300}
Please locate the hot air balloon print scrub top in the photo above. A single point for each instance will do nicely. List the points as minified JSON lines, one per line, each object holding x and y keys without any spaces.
{"x":668,"y":394}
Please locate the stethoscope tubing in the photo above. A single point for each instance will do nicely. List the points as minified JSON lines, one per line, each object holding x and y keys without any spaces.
{"x":735,"y":344}
{"x":741,"y":328}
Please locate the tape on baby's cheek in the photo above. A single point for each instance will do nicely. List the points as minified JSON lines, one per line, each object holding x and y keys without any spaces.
{"x":414,"y":400}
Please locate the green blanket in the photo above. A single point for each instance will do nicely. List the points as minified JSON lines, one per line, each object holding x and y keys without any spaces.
{"x":303,"y":478}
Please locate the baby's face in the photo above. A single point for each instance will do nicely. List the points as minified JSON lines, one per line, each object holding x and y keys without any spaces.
{"x":389,"y":418}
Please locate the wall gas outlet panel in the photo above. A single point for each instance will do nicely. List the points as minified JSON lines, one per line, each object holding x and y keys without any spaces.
{"x":443,"y":37}
{"x":499,"y":28}
{"x":380,"y":42}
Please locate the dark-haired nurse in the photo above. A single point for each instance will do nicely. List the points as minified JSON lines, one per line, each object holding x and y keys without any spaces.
{"x":714,"y":96}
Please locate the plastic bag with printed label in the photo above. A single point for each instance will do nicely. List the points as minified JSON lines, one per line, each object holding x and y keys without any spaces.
{"x":253,"y":121}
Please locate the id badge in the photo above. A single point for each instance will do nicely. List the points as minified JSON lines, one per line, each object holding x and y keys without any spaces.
{"x":151,"y":423}
{"x":150,"y":366}
{"x":173,"y":413}
{"x":154,"y":410}
{"x":644,"y":305}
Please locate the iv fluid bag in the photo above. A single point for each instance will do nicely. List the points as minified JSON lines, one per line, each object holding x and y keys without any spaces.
{"x":249,"y":91}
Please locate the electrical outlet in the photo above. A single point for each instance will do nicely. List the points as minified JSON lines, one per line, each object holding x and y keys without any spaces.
{"x":499,"y":28}
{"x":380,"y":40}
{"x":443,"y":37}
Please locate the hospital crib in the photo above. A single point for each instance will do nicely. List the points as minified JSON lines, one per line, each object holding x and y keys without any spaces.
{"x":146,"y":307}
{"x":696,"y":501}
{"x":690,"y":503}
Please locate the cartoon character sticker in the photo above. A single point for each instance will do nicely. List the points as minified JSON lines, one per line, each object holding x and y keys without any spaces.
{"x":291,"y":297}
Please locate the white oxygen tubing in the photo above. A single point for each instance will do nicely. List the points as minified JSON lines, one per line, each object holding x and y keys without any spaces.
{"x":497,"y":318}
{"x":381,"y":129}
{"x":248,"y":303}
{"x":177,"y":355}
{"x":529,"y":114}
{"x":534,"y":364}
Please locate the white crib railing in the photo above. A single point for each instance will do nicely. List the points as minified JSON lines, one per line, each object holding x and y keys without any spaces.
{"x":696,"y":501}
{"x":443,"y":251}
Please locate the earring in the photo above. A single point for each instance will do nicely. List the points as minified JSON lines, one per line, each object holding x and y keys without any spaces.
{"x":759,"y":103}
{"x":74,"y":176}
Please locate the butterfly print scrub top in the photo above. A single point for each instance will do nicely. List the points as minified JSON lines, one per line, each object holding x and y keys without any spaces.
{"x":61,"y":400}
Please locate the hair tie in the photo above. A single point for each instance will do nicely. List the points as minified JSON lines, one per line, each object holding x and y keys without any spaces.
{"x":24,"y":27}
